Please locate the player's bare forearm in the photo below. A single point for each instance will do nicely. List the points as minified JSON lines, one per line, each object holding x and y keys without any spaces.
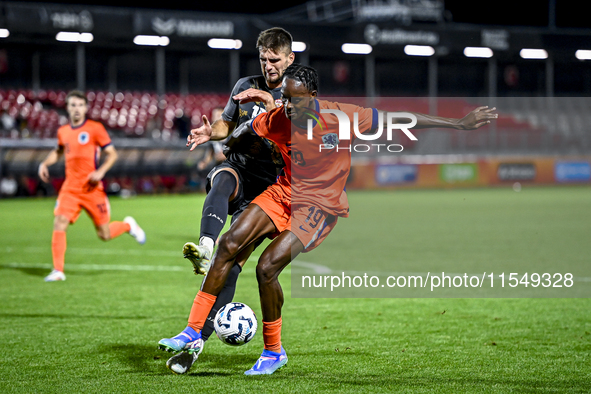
{"x":425,"y":121}
{"x":110,"y":159}
{"x":473,"y":120}
{"x":50,"y":160}
{"x":256,"y":95}
{"x":53,"y":157}
{"x":220,"y":129}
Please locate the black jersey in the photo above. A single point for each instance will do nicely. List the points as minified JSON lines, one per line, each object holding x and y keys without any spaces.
{"x":254,"y":147}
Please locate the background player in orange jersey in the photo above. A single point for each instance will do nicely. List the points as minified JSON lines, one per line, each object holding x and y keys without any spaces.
{"x":301,"y":208}
{"x":81,"y":142}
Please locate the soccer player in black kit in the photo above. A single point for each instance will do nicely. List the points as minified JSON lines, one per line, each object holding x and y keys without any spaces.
{"x":251,"y":165}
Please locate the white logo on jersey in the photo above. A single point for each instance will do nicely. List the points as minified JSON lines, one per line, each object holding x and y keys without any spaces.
{"x":257,"y":110}
{"x":83,"y":138}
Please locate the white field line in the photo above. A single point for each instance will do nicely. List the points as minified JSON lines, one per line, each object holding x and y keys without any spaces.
{"x":313,"y":268}
{"x":299,"y":266}
{"x":306,"y":266}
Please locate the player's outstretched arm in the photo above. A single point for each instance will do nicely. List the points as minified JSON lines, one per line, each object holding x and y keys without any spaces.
{"x":51,"y":159}
{"x":252,"y":94}
{"x":219,"y":130}
{"x":473,"y":120}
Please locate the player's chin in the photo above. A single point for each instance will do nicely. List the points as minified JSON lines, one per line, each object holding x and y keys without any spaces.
{"x":273,"y":78}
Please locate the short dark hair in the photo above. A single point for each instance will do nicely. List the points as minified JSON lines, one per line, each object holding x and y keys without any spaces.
{"x":275,"y":38}
{"x":76,"y":93}
{"x":305,"y":74}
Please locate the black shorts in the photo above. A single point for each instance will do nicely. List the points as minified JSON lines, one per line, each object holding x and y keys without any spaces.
{"x":254,"y":176}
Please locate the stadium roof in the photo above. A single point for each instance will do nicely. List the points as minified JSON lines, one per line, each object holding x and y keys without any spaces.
{"x":563,"y":13}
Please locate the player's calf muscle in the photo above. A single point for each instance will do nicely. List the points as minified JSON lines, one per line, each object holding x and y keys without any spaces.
{"x":276,"y":257}
{"x":269,"y":267}
{"x":217,"y":276}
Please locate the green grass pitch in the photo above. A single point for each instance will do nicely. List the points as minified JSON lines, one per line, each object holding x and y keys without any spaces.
{"x":97,"y":332}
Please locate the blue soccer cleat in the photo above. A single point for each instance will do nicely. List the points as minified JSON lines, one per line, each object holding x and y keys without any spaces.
{"x":188,"y":340}
{"x":268,"y":363}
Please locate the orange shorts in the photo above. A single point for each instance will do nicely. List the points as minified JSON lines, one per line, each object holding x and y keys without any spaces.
{"x":95,"y":203}
{"x":309,"y":223}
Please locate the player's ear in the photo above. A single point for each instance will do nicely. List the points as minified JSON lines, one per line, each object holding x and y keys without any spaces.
{"x":291,"y":58}
{"x":313,"y":93}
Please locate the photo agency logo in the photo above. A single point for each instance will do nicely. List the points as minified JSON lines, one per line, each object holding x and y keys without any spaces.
{"x":332,"y":140}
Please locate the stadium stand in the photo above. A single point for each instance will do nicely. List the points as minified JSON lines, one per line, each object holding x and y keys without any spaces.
{"x":127,"y":114}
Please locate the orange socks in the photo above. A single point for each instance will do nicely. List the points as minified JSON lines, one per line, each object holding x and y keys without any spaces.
{"x":272,"y":335}
{"x":58,"y":249}
{"x":201,"y":307}
{"x":58,"y":242}
{"x":118,"y":228}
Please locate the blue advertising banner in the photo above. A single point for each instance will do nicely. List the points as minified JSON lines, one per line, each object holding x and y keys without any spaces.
{"x":390,"y":174}
{"x":572,"y":171}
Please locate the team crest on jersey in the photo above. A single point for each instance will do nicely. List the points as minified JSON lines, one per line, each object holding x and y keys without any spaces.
{"x":278,"y":103}
{"x":330,"y":140}
{"x":83,"y":138}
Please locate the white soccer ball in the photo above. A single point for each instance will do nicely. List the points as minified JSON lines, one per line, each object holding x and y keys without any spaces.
{"x":235,"y":324}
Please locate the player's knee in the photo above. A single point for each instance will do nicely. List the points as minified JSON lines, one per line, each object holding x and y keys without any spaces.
{"x":265,"y":271}
{"x":228,"y":246}
{"x":60,"y":223}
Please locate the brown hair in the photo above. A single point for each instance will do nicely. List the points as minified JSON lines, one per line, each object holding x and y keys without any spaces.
{"x":78,"y":94}
{"x":276,"y":39}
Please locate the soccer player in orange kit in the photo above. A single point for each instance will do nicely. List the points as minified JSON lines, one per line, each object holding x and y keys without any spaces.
{"x":81,"y":142}
{"x":301,"y":208}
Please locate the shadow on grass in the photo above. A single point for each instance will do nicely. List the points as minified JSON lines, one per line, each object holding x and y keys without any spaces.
{"x":223,"y":364}
{"x":40,"y":272}
{"x":147,"y":359}
{"x":141,"y":358}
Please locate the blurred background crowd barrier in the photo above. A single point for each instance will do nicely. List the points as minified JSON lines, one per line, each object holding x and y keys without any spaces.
{"x":150,"y":75}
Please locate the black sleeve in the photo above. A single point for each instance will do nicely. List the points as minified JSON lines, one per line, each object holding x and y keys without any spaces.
{"x":242,"y":134}
{"x":231,"y":111}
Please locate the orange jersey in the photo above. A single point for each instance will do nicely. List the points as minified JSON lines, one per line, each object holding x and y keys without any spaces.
{"x":82,"y":146}
{"x":317,"y":168}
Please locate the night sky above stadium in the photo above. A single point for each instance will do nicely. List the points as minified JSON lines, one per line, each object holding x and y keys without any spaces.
{"x":500,"y":12}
